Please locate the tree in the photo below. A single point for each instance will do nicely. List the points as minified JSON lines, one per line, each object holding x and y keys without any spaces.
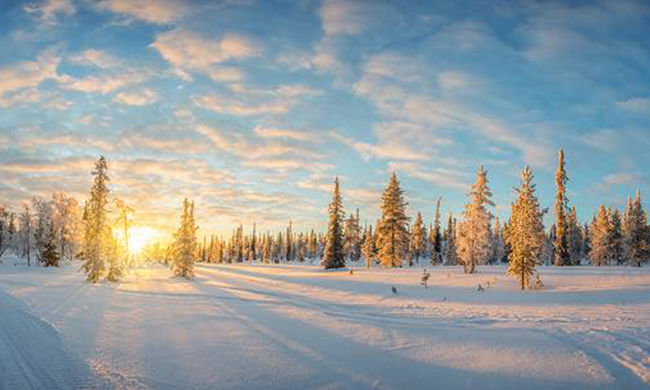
{"x":436,"y":237}
{"x":185,"y":244}
{"x":97,"y":231}
{"x":7,"y":231}
{"x":616,"y":244}
{"x":289,"y":243}
{"x":67,"y":220}
{"x":498,"y":246}
{"x":451,"y":252}
{"x":599,"y":253}
{"x":44,"y":224}
{"x":561,"y":244}
{"x":25,"y":233}
{"x":392,"y":231}
{"x":526,"y":231}
{"x":474,"y":244}
{"x":253,"y":244}
{"x":352,"y":237}
{"x":418,"y":241}
{"x":49,"y":256}
{"x":637,"y":232}
{"x":368,"y":249}
{"x":575,"y":237}
{"x":334,"y":256}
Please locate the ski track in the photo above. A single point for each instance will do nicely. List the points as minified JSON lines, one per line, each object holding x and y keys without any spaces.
{"x":294,"y":327}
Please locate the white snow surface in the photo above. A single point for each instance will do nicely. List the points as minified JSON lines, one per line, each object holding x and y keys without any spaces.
{"x":297,"y":327}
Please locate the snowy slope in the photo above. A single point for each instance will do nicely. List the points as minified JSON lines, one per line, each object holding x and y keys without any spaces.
{"x":297,"y":327}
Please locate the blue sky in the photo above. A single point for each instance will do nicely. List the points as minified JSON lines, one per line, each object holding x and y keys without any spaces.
{"x":252,"y":107}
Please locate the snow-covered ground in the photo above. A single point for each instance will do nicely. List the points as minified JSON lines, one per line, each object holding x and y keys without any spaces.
{"x":297,"y":327}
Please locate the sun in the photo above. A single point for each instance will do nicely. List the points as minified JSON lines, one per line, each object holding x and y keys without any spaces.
{"x":139,"y":237}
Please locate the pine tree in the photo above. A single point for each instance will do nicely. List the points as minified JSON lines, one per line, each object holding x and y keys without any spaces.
{"x":334,"y":256}
{"x":50,"y":256}
{"x":575,"y":237}
{"x":497,"y":242}
{"x":185,"y":245}
{"x":97,"y":231}
{"x":474,"y":244}
{"x":352,"y":237}
{"x":392,"y":231}
{"x":289,"y":243}
{"x":526,"y":231}
{"x":368,"y":249}
{"x":418,"y":241}
{"x":637,"y":232}
{"x":451,"y":252}
{"x":26,"y":233}
{"x":436,"y":241}
{"x":312,"y":247}
{"x":599,"y":254}
{"x":616,"y":244}
{"x":561,"y":253}
{"x":253,"y":244}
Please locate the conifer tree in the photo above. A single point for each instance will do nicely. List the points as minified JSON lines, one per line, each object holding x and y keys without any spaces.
{"x":526,"y":231}
{"x":97,"y":231}
{"x":26,"y":233}
{"x":185,"y":245}
{"x":352,"y":237}
{"x":312,"y":247}
{"x":616,"y":244}
{"x":289,"y":243}
{"x":436,"y":237}
{"x":474,"y":244}
{"x":368,"y":249}
{"x":392,"y":231}
{"x":334,"y":256}
{"x":561,"y":244}
{"x":418,"y":241}
{"x":451,"y":252}
{"x":637,"y":232}
{"x":599,"y":253}
{"x":575,"y":237}
{"x":497,"y":242}
{"x":253,"y":244}
{"x":50,"y":256}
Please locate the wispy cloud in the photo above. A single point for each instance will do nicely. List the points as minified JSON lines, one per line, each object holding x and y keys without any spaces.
{"x":49,"y":10}
{"x":140,"y":97}
{"x":152,"y":11}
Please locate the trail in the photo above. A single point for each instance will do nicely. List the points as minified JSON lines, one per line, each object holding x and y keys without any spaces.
{"x":33,"y":356}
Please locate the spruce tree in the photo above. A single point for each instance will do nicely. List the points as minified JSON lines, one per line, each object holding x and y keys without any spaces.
{"x":451,"y":252}
{"x":50,"y":256}
{"x":185,"y":245}
{"x":474,"y":244}
{"x":97,"y":231}
{"x":526,"y":231}
{"x":418,"y":238}
{"x":599,"y":253}
{"x":575,"y":237}
{"x":334,"y":256}
{"x":637,"y":232}
{"x":368,"y":249}
{"x":436,"y":242}
{"x":561,"y":244}
{"x":616,"y":244}
{"x":392,"y":231}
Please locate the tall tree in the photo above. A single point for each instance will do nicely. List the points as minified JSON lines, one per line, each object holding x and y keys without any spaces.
{"x":599,"y":253}
{"x":418,"y":238}
{"x":352,"y":237}
{"x":25,"y":233}
{"x":526,"y":231}
{"x":436,"y":237}
{"x":451,"y":252}
{"x":368,"y":249}
{"x":97,"y":231}
{"x":334,"y":256}
{"x":637,"y":232}
{"x":392,"y":232}
{"x":253,"y":244}
{"x":474,"y":244}
{"x":185,"y":245}
{"x":616,"y":240}
{"x":561,"y":244}
{"x":575,"y":237}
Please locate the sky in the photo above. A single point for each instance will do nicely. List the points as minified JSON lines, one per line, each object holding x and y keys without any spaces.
{"x":251,"y":108}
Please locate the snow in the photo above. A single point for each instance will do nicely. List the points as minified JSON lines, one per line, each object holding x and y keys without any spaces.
{"x":297,"y":327}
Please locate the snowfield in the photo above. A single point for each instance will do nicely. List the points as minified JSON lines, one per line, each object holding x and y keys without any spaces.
{"x":297,"y":327}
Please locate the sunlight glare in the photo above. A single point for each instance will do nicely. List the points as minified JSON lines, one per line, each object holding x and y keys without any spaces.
{"x":139,"y":237}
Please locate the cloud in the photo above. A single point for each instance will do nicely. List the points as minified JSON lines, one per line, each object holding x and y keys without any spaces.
{"x":342,"y":17}
{"x":381,"y":150}
{"x":449,"y":80}
{"x":28,"y":74}
{"x":105,"y":83}
{"x":296,"y":135}
{"x":617,"y":179}
{"x":256,"y":101}
{"x":190,"y":52}
{"x":140,"y":97}
{"x":151,"y":11}
{"x":49,"y":10}
{"x":442,"y":177}
{"x":96,"y":58}
{"x":641,"y":105}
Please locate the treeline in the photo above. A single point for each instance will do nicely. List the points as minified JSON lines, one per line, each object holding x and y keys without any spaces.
{"x":48,"y":231}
